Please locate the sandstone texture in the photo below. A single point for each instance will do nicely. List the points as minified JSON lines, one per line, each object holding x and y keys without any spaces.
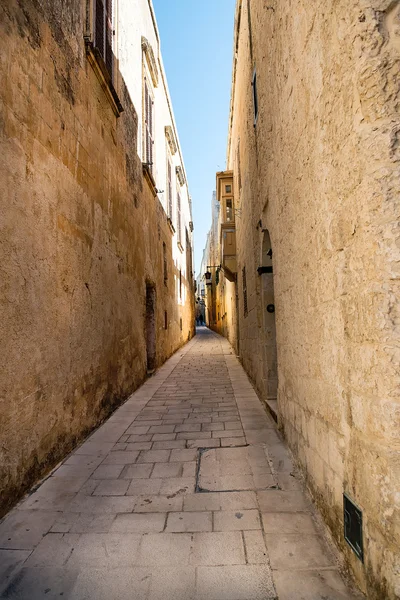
{"x":82,"y":236}
{"x":317,"y":178}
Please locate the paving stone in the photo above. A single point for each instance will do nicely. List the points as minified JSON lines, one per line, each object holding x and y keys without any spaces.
{"x":239,"y":582}
{"x":311,"y":585}
{"x":139,"y":438}
{"x":95,"y":448}
{"x":193,"y":435}
{"x":165,"y":549}
{"x":121,"y":583}
{"x":121,"y":458}
{"x":175,"y":583}
{"x":189,"y":521}
{"x":183,"y":455}
{"x":83,"y":523}
{"x":54,"y":550}
{"x":167,"y":470}
{"x":10,"y":562}
{"x":203,"y":443}
{"x":196,"y":502}
{"x":256,"y":552}
{"x":278,"y":501}
{"x":177,"y":485}
{"x":24,"y":529}
{"x":233,"y":441}
{"x":80,"y":460}
{"x":139,"y":487}
{"x":188,"y":428}
{"x":139,"y":523}
{"x":119,"y":446}
{"x":213,"y":427}
{"x":189,"y":469}
{"x":150,"y":503}
{"x":138,"y":429}
{"x":297,"y":551}
{"x":236,"y":520}
{"x":112,"y":487}
{"x":169,"y":445}
{"x":238,"y":500}
{"x":141,"y":471}
{"x":102,"y":504}
{"x":154,"y":456}
{"x":288,"y":523}
{"x":217,"y":548}
{"x":133,"y":446}
{"x":162,"y":429}
{"x":107,"y":472}
{"x":164,"y":437}
{"x":39,"y":583}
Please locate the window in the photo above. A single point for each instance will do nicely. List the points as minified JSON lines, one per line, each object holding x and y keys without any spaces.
{"x":229,"y":211}
{"x":165,"y":263}
{"x":228,"y":189}
{"x":103,"y":32}
{"x":180,"y":283}
{"x":178,"y":218}
{"x":188,"y":257}
{"x":148,"y":126}
{"x":180,"y":324}
{"x":255,"y":98}
{"x":244,"y":283}
{"x":169,"y":188}
{"x":239,"y":174}
{"x":165,"y":320}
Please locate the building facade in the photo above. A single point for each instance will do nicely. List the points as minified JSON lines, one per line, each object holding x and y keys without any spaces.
{"x":313,"y":154}
{"x":96,"y":227}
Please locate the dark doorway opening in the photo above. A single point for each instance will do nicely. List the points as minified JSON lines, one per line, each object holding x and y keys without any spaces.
{"x":269,"y":322}
{"x":151,"y":327}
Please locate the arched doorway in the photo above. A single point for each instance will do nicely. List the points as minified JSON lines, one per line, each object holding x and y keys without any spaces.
{"x":269,"y":325}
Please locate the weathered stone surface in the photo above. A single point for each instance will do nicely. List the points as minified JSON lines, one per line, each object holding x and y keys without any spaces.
{"x":82,"y":234}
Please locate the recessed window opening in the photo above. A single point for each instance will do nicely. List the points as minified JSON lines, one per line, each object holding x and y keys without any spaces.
{"x":165,"y":262}
{"x":165,"y":320}
{"x":229,"y":210}
{"x":228,"y":189}
{"x":244,"y":283}
{"x":255,"y":97}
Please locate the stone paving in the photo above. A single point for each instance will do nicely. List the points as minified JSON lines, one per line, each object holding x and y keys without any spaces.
{"x":186,"y":493}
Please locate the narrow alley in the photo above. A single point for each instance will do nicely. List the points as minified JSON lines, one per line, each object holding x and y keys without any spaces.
{"x":186,"y":492}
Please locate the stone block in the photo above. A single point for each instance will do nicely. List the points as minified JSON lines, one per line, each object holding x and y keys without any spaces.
{"x":217,"y":548}
{"x":180,"y":522}
{"x":139,"y":523}
{"x":239,"y":582}
{"x":165,"y":549}
{"x":239,"y":520}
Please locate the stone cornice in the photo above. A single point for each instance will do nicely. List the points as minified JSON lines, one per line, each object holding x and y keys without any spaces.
{"x":169,"y":134}
{"x":180,"y":175}
{"x":151,"y":61}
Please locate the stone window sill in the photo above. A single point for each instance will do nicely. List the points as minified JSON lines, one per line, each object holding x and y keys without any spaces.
{"x":170,"y":225}
{"x":148,"y":175}
{"x":97,"y":63}
{"x":180,"y":247}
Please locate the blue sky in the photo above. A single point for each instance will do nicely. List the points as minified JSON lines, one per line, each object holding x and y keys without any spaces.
{"x":196,"y":45}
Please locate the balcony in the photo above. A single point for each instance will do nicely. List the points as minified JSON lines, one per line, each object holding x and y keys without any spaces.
{"x":227,"y":226}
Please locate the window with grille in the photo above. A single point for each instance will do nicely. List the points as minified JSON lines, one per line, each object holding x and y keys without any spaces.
{"x":103,"y":32}
{"x":244,"y":282}
{"x":169,"y":188}
{"x":149,"y":123}
{"x":178,"y":217}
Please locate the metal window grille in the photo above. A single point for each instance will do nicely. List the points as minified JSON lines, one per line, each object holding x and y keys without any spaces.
{"x":148,"y":107}
{"x":244,"y":282}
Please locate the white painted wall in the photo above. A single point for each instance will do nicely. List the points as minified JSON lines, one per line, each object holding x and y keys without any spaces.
{"x":134,"y":19}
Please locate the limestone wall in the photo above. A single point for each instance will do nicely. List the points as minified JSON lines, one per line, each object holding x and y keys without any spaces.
{"x":319,"y":171}
{"x":81,"y":236}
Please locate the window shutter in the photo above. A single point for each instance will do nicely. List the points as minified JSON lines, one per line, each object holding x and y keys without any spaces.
{"x":169,"y":190}
{"x":99,"y":26}
{"x":178,"y":216}
{"x":109,"y":37}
